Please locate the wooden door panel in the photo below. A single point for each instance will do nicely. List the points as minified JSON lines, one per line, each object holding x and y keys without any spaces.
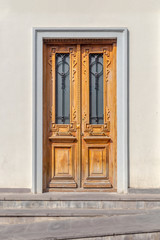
{"x":97,"y":139}
{"x":62,"y":134}
{"x":97,"y":162}
{"x":96,"y":172}
{"x":62,"y":160}
{"x":63,"y":169}
{"x":98,"y":129}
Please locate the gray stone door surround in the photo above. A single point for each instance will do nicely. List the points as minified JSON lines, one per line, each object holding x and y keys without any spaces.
{"x":121,"y":34}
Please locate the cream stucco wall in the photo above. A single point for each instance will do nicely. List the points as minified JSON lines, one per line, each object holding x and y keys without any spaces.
{"x":17,"y":17}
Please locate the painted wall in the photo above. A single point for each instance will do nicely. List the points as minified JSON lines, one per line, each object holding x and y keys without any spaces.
{"x":17,"y":18}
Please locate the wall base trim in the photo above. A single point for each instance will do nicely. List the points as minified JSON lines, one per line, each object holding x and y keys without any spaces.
{"x":15,"y":190}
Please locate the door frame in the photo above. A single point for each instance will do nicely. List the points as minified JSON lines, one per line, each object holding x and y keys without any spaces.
{"x":122,"y":37}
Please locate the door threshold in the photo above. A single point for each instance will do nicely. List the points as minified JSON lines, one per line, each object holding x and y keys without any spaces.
{"x":79,"y":190}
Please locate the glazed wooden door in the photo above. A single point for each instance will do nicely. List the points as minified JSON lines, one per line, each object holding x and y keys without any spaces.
{"x":98,"y":116}
{"x":79,"y":116}
{"x":61,"y":131}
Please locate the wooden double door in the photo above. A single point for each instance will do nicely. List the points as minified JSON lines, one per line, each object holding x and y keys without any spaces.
{"x":79,"y":115}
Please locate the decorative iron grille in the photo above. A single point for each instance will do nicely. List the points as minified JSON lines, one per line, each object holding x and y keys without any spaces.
{"x":62,"y":88}
{"x":96,"y":88}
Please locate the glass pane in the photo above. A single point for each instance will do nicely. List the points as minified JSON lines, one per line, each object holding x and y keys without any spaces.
{"x":96,"y":88}
{"x":62,"y":89}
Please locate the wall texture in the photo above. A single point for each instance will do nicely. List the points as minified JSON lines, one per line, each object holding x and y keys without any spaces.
{"x":17,"y":18}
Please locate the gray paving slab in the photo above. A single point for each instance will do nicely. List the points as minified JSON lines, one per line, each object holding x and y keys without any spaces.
{"x":84,"y":227}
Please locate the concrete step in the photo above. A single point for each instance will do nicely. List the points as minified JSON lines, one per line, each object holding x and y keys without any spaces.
{"x":143,"y":225}
{"x":80,"y":200}
{"x":20,"y":216}
{"x":90,"y":196}
{"x":99,"y":216}
{"x":69,"y":212}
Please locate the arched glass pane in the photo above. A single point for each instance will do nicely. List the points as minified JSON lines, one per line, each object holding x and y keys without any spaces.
{"x":96,"y":88}
{"x":62,"y":88}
